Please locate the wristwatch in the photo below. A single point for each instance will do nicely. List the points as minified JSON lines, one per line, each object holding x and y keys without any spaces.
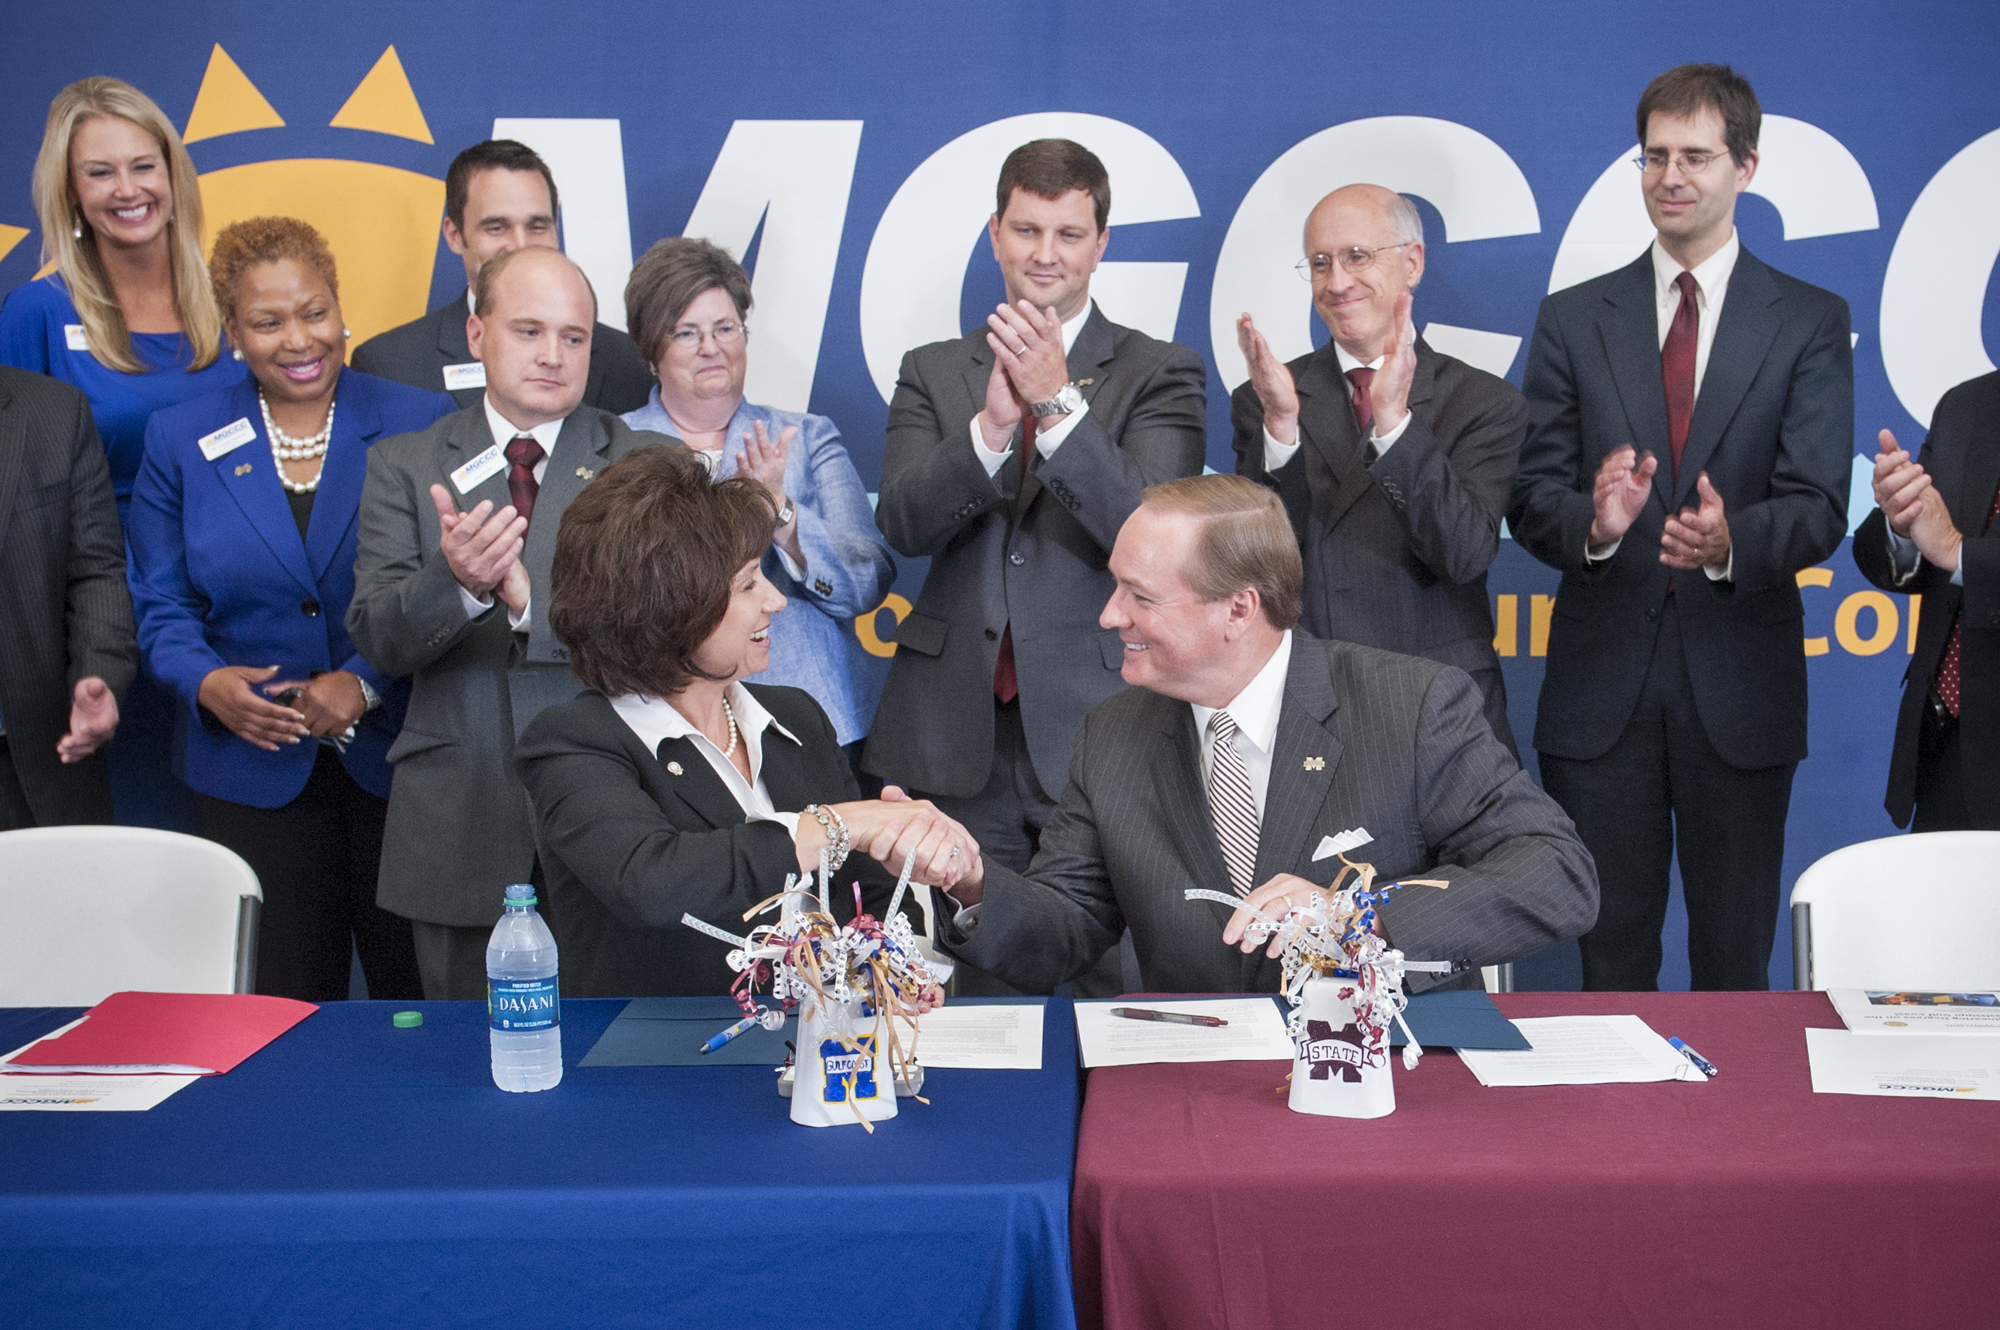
{"x":1068,"y":399}
{"x":787,"y":513}
{"x":370,"y":699}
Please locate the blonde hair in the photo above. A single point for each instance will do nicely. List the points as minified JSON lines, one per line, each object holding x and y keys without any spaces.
{"x":76,"y":258}
{"x":1246,"y":541}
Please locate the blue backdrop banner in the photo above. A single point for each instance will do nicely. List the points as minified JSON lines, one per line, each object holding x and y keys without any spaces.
{"x":848,"y":155}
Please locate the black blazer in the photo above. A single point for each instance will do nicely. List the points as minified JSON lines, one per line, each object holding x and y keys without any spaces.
{"x":627,"y":846}
{"x":418,"y":352}
{"x":1962,"y":455}
{"x":64,"y":610}
{"x":1773,"y":427}
{"x":1396,"y":552}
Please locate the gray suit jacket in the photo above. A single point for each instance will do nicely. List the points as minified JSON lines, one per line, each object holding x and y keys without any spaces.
{"x":1406,"y":755}
{"x":460,"y":826}
{"x":1396,"y":551}
{"x":1022,"y":547}
{"x":418,"y":352}
{"x":64,"y":610}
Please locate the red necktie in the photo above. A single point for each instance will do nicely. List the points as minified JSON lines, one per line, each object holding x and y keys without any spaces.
{"x":1947,"y":675}
{"x":1364,"y":409}
{"x":1677,"y":367}
{"x":524,"y":452}
{"x":1006,"y":683}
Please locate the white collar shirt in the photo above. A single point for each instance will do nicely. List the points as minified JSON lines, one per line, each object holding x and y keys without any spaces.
{"x":654,"y":721}
{"x":1255,"y":711}
{"x":1711,"y":288}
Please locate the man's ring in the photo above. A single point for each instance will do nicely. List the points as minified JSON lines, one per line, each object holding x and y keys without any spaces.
{"x":954,"y":853}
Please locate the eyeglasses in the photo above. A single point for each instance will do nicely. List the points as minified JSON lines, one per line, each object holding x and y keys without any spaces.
{"x":1690,"y":163}
{"x":1355,"y":258}
{"x":725,"y":333}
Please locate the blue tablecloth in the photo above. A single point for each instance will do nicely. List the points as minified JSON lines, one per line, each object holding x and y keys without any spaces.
{"x":354,"y":1174}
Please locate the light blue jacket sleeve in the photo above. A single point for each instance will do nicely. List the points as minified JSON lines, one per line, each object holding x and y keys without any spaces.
{"x":848,"y":566}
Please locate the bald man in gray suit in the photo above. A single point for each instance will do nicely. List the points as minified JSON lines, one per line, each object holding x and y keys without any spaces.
{"x":1241,"y":747}
{"x":458,"y":529}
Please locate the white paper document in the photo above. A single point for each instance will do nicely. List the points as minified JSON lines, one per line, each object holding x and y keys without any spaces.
{"x":1918,"y":1066}
{"x":1907,"y":1011}
{"x":88,"y":1094}
{"x":1255,"y":1032}
{"x":1005,"y":1037}
{"x":1582,"y":1050}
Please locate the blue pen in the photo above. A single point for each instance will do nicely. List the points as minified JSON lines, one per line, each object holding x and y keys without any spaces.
{"x":1707,"y":1067}
{"x":719,"y":1040}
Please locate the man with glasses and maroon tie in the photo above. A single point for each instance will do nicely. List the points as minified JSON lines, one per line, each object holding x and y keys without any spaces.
{"x":1394,"y":462}
{"x":1691,"y":421}
{"x":458,"y":529}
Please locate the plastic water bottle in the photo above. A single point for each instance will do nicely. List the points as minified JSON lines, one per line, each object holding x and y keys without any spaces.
{"x":522,"y":1003}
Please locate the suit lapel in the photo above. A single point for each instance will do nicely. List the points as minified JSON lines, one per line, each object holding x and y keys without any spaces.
{"x":337,"y":504}
{"x":581,"y":447}
{"x":1304,"y":759}
{"x":1743,"y":336}
{"x":451,"y":331}
{"x":250,"y":476}
{"x":1176,"y":764}
{"x":1978,"y":477}
{"x":697,"y":785}
{"x":468,"y":437}
{"x":786,"y":779}
{"x":13,"y":457}
{"x":1326,"y":420}
{"x":1630,"y":330}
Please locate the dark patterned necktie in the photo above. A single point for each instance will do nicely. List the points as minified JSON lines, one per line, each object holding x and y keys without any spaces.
{"x":1948,"y":668}
{"x":1364,"y":409}
{"x":1677,"y":367}
{"x":523,"y":452}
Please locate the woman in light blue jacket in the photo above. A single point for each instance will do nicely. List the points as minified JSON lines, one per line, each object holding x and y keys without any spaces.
{"x":685,"y":306}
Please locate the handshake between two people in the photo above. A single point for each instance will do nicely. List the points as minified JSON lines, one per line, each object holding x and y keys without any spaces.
{"x":889,"y":830}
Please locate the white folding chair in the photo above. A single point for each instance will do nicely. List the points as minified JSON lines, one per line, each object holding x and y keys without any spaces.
{"x":91,"y":911}
{"x":1919,"y":912}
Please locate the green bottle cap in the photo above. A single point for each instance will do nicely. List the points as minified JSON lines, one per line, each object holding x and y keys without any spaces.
{"x":407,"y":1020}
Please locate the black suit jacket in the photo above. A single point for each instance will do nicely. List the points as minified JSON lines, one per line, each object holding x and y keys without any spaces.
{"x":1962,"y":456}
{"x":1396,"y":551}
{"x":1366,"y":739}
{"x":418,"y":352}
{"x":627,"y":846}
{"x":1026,"y":549}
{"x":64,"y":611}
{"x":1773,"y":427}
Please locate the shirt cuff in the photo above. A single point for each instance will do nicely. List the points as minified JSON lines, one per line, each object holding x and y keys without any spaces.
{"x":1726,"y":573}
{"x":1605,"y":555}
{"x":989,"y":459}
{"x":474,"y":606}
{"x":1903,"y":556}
{"x":792,"y":570}
{"x":1383,"y":442}
{"x":1050,"y":439}
{"x":789,"y":821}
{"x":1276,"y":454}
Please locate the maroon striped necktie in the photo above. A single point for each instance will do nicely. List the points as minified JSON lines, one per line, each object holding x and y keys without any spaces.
{"x":1677,"y":367}
{"x":523,"y":452}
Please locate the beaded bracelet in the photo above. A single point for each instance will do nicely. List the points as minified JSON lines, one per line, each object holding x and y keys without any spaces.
{"x":839,"y":839}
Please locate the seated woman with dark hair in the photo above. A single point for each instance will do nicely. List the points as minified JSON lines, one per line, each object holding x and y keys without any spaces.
{"x":672,"y":787}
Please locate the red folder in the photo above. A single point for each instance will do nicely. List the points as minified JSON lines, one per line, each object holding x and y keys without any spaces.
{"x":153,"y":1033}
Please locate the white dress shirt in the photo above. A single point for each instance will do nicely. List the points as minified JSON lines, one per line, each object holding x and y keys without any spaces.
{"x":1276,"y":454}
{"x":1047,"y":438}
{"x":1711,"y":288}
{"x":654,"y":720}
{"x":1255,"y":711}
{"x":504,"y":432}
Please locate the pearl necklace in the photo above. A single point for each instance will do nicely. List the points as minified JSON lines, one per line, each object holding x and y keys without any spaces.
{"x":729,"y":715}
{"x":286,"y":448}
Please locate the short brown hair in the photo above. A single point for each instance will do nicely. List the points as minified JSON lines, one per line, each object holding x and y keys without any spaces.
{"x":1688,"y":90}
{"x":1246,"y":541}
{"x":492,"y":155}
{"x":644,"y":561}
{"x":1051,"y":168}
{"x":243,"y":245}
{"x":488,"y":280}
{"x":668,"y":278}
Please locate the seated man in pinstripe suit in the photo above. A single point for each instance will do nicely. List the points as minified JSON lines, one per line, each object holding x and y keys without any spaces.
{"x":1241,"y":747}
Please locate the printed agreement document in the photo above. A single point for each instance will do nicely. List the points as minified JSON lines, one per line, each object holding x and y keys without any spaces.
{"x":1255,"y":1033}
{"x":1582,"y":1050}
{"x":1005,"y":1037}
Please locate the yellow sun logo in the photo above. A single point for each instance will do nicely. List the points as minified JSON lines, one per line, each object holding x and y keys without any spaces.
{"x":381,"y":221}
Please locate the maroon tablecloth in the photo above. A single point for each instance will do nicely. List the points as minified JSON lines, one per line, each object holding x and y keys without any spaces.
{"x":1201,"y":1200}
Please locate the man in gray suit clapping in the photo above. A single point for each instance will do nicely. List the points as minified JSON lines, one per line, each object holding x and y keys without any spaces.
{"x":458,"y":528}
{"x":1241,"y":748}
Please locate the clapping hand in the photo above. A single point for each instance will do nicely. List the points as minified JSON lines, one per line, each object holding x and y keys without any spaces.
{"x":1272,"y":382}
{"x":1389,"y":391}
{"x":1624,"y":481}
{"x":1899,"y":485}
{"x":483,"y":549}
{"x":1028,"y":344}
{"x":230,"y":695}
{"x":1697,"y":538}
{"x":764,"y":461}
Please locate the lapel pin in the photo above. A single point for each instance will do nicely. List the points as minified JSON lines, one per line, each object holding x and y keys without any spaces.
{"x":585,"y":473}
{"x":243,"y":470}
{"x":674,"y":768}
{"x":1085,"y":383}
{"x":1315,"y":764}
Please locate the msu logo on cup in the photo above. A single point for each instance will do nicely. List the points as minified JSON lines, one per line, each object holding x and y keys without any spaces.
{"x":1327,"y":1049}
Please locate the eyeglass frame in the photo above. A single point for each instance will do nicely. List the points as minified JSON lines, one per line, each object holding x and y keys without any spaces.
{"x":1304,"y":267}
{"x":679,"y":336}
{"x":1644,"y":161}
